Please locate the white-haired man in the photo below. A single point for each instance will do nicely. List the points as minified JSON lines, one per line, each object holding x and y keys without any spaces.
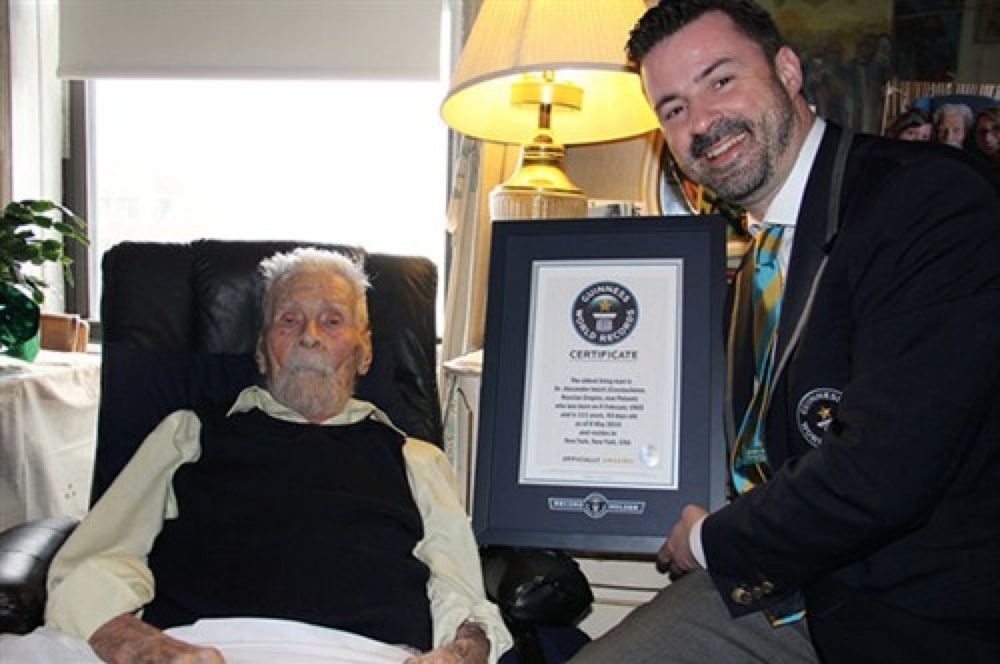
{"x":952,"y":124}
{"x":297,"y":502}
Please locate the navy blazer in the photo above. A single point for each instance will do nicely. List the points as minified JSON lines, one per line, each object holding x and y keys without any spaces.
{"x":883,"y":510}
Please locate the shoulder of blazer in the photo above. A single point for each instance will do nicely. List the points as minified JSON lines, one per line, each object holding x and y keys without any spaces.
{"x":875,"y":159}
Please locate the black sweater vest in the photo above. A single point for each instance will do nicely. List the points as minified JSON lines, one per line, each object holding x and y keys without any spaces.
{"x":294,"y":521}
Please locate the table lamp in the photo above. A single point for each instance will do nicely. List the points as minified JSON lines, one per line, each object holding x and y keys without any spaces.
{"x":543,"y":74}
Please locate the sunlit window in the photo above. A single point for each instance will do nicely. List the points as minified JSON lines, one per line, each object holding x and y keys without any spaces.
{"x":345,"y":162}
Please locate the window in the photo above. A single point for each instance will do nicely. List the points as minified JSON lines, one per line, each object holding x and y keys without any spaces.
{"x":349,"y":162}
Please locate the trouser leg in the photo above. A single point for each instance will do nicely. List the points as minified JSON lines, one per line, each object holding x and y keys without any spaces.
{"x":687,"y":623}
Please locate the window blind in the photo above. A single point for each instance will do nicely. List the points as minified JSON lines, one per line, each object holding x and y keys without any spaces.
{"x":269,"y":39}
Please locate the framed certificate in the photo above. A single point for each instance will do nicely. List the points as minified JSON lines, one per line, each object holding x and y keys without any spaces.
{"x":602,"y":397}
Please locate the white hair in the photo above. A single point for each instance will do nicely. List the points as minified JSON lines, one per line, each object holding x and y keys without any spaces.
{"x":281,"y":267}
{"x":960,"y":109}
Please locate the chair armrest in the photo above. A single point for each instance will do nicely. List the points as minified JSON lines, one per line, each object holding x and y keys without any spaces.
{"x":26,"y":550}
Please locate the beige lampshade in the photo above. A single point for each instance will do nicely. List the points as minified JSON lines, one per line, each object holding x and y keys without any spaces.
{"x":578,"y":42}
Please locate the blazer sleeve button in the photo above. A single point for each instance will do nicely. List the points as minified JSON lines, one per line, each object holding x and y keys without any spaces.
{"x":742,"y":596}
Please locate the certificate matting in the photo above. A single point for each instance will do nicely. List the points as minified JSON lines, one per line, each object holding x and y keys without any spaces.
{"x":603,"y":374}
{"x":552,"y":286}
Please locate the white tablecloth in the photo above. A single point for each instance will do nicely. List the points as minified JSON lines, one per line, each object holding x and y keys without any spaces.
{"x":48,"y":432}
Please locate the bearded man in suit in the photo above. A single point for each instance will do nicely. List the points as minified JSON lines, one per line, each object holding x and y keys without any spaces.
{"x":865,"y":420}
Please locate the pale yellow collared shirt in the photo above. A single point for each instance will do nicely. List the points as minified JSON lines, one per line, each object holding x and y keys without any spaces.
{"x":101,"y":571}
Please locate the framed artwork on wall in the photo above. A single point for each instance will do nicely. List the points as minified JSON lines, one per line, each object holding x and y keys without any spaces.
{"x":988,"y":22}
{"x":927,"y":36}
{"x":846,"y":53}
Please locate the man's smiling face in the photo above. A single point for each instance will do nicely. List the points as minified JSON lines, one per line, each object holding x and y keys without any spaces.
{"x":729,"y":115}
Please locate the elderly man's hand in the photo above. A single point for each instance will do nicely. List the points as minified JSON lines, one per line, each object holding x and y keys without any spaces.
{"x":675,"y":554}
{"x":469,"y":647}
{"x":128,"y":640}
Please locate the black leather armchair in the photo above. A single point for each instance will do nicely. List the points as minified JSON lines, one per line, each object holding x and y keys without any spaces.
{"x":180,"y":323}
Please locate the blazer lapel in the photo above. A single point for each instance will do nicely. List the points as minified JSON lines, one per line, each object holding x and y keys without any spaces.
{"x":739,"y":352}
{"x":808,"y":248}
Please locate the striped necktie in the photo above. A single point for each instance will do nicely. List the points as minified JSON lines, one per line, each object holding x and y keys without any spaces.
{"x":749,"y":462}
{"x":749,"y":458}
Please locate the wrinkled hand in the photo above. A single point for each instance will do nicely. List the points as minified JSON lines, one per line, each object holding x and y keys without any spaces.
{"x":675,"y":554}
{"x":469,"y":647}
{"x":128,"y":640}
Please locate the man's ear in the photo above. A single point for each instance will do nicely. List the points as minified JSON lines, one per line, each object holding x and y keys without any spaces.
{"x":365,"y":350}
{"x":788,"y":68}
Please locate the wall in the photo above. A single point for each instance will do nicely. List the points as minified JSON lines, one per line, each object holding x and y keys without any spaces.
{"x":978,"y":59}
{"x":614,"y":171}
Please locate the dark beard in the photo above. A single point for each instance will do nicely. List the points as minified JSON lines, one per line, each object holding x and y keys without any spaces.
{"x":776,"y":128}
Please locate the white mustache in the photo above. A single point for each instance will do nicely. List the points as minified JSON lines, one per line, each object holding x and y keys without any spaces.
{"x":302,"y":361}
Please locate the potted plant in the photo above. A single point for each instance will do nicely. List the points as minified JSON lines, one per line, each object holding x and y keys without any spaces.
{"x":21,"y":243}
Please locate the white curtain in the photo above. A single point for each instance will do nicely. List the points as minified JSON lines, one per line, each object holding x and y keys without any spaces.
{"x":5,"y":119}
{"x":479,"y":166}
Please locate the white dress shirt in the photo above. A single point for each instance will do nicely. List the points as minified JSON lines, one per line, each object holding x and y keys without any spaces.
{"x":783,"y":211}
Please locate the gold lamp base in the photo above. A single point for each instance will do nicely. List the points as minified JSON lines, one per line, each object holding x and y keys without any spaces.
{"x":539,"y":188}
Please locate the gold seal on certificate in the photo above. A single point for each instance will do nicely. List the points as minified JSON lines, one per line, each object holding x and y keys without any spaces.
{"x":601,"y":398}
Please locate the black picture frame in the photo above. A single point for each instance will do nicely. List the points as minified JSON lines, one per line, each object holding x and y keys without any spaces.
{"x":509,"y":512}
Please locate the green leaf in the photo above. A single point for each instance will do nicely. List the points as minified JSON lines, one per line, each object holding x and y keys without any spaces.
{"x":64,"y":228}
{"x":19,"y":215}
{"x":20,"y":243}
{"x":41,"y":206}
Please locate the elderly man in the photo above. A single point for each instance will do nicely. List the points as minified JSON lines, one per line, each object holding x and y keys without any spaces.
{"x":296,"y":502}
{"x":953,"y":124}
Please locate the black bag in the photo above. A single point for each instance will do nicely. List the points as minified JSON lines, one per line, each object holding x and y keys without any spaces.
{"x":537,"y":586}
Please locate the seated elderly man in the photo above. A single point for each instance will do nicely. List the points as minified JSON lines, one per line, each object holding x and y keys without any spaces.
{"x":952,"y":124}
{"x":296,"y":502}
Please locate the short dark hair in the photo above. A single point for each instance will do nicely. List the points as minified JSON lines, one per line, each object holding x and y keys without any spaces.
{"x":669,"y":16}
{"x":908,"y":119}
{"x":991,"y":112}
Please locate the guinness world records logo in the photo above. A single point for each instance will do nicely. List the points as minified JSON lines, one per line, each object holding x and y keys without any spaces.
{"x":816,"y":410}
{"x":605,"y":313}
